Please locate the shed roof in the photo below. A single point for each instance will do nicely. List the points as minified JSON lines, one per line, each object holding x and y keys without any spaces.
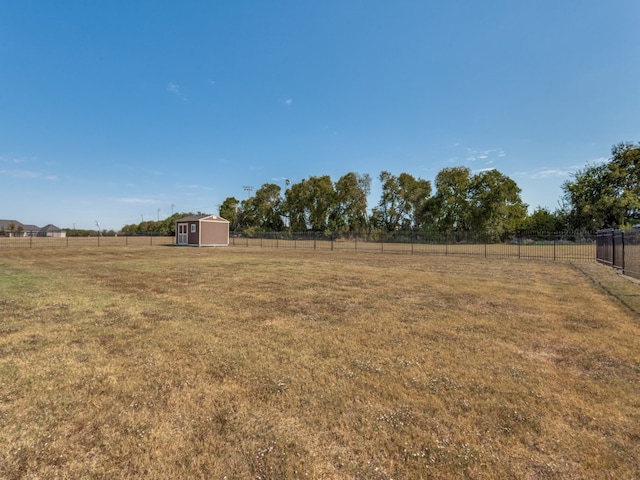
{"x":193,"y":218}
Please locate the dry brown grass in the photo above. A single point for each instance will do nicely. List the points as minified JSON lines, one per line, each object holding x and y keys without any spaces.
{"x":240,"y":363}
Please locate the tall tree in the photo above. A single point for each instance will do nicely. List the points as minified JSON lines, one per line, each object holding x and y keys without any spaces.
{"x":401,"y":202}
{"x":495,"y":203}
{"x":606,"y":195}
{"x":391,"y":209}
{"x":350,"y":205}
{"x":451,"y":202}
{"x":309,"y":203}
{"x":416,"y":193}
{"x":231,"y":210}
{"x":263,"y":209}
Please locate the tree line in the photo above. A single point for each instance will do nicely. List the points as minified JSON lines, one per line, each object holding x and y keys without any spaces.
{"x":488,"y":202}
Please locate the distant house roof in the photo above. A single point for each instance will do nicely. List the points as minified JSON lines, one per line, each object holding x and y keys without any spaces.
{"x":5,"y":225}
{"x":50,"y":229}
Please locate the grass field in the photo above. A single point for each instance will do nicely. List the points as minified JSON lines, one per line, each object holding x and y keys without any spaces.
{"x":233,"y":363}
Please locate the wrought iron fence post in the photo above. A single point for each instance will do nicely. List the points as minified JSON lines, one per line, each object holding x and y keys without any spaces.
{"x":613,"y":249}
{"x":623,"y":252}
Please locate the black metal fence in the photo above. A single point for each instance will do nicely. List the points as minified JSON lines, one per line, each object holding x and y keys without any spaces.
{"x":563,"y":246}
{"x":619,"y":249}
{"x":86,"y":241}
{"x":566,"y":246}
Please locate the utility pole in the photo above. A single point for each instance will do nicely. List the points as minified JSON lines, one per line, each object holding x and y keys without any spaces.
{"x":248,"y":188}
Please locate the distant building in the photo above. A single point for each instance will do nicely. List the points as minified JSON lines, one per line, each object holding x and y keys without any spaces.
{"x":14,"y":228}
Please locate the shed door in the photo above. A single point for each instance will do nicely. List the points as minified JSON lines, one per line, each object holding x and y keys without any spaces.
{"x":183,"y":234}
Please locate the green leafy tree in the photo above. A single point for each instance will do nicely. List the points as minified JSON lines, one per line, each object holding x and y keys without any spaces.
{"x":231,"y":210}
{"x":606,"y":195}
{"x":450,"y":206}
{"x":350,"y":205}
{"x":624,"y":174}
{"x":494,"y":203}
{"x":263,"y":209}
{"x":130,"y":229}
{"x":402,"y":202}
{"x":543,"y":220}
{"x":309,"y":204}
{"x":168,"y":225}
{"x":416,"y":192}
{"x":162,"y":227}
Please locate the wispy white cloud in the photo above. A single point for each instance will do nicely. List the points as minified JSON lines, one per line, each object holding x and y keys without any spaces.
{"x":28,"y":174}
{"x":20,"y":173}
{"x":288,"y":101}
{"x":13,"y":159}
{"x":549,"y":172}
{"x":474,"y":154}
{"x":174,"y":88}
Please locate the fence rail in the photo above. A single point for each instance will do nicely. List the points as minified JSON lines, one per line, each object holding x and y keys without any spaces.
{"x":92,"y":241}
{"x":554,"y":246}
{"x":619,"y":249}
{"x":566,"y":246}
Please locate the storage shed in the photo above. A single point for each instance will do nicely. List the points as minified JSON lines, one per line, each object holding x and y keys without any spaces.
{"x":202,"y":231}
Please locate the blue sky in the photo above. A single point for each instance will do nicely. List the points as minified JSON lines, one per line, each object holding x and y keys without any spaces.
{"x":119,"y":111}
